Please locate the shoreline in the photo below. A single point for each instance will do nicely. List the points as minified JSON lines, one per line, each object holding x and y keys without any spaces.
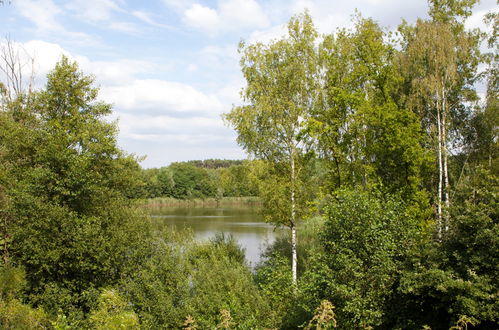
{"x":199,"y":202}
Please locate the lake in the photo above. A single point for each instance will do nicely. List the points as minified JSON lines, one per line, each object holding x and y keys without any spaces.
{"x":244,"y":223}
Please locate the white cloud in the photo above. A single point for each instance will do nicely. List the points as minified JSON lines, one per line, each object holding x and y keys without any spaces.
{"x":145,"y":125}
{"x":231,"y":92}
{"x":98,"y":12}
{"x":144,"y":16}
{"x":476,"y":20}
{"x":45,"y":54}
{"x":118,"y":72}
{"x":328,"y":16}
{"x":178,"y":138}
{"x":243,"y":13}
{"x":162,"y":97}
{"x":230,"y":15}
{"x":42,"y":13}
{"x":108,"y":73}
{"x":202,"y":17}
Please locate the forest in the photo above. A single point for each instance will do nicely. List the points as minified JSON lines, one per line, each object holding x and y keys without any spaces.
{"x":211,"y":178}
{"x":376,"y":148}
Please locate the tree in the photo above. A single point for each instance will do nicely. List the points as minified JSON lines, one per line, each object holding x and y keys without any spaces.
{"x":280,"y":92}
{"x":439,"y":61}
{"x":360,"y":128}
{"x":190,"y":181}
{"x":17,"y":71}
{"x":482,"y":142}
{"x":364,"y":241}
{"x":456,"y":276}
{"x":67,"y":185}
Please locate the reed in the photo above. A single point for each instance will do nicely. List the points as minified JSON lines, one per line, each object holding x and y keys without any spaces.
{"x":199,"y":202}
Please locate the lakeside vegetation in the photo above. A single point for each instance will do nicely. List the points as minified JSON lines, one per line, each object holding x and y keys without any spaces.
{"x":195,"y":180}
{"x":374,"y":149}
{"x":205,"y":202}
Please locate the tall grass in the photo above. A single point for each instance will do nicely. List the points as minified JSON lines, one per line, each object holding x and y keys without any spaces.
{"x":198,"y":202}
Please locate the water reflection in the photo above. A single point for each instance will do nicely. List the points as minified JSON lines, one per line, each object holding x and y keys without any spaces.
{"x":244,"y":223}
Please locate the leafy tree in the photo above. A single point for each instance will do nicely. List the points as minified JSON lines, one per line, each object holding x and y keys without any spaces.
{"x":440,"y":62}
{"x":191,"y":181}
{"x":365,"y":240}
{"x":215,"y":163}
{"x":220,"y":281}
{"x":159,"y":289}
{"x":279,"y":94}
{"x":362,"y":131}
{"x":458,"y":275}
{"x":67,"y":186}
{"x":186,"y":280}
{"x":481,"y":142}
{"x":237,"y":181}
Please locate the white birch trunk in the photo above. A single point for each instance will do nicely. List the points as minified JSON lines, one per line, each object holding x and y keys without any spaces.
{"x":294,"y":258}
{"x":440,"y":171}
{"x":445,"y":156}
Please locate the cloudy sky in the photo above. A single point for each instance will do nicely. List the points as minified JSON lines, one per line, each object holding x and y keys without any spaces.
{"x":171,"y":67}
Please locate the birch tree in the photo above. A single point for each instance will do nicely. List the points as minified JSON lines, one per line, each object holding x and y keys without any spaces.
{"x":440,"y":59}
{"x":360,"y":128}
{"x":278,"y":98}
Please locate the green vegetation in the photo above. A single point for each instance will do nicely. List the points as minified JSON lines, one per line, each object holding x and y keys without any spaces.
{"x":224,"y":201}
{"x":373,"y":148}
{"x":193,"y":180}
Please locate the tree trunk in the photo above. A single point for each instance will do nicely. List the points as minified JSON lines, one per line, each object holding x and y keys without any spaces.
{"x":295,"y":256}
{"x":294,"y":259}
{"x":440,"y":170}
{"x":445,"y":156}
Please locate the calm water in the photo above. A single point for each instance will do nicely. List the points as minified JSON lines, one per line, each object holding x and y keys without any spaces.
{"x":243,"y":223}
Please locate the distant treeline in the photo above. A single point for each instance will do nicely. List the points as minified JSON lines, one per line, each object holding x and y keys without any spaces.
{"x":215,"y":178}
{"x":214,"y":163}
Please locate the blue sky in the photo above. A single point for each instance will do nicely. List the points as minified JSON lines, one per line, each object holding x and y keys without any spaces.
{"x":171,"y":67}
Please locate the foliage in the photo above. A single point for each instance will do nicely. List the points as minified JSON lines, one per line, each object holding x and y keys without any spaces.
{"x":273,"y":279}
{"x":198,"y":179}
{"x":13,"y":313}
{"x":113,"y":313}
{"x":221,"y":281}
{"x":215,"y":163}
{"x":159,"y":288}
{"x":290,"y":306}
{"x":16,"y":315}
{"x":365,"y":240}
{"x":324,"y":317}
{"x":457,"y":276}
{"x":355,"y":131}
{"x":188,"y":284}
{"x":360,"y":127}
{"x":67,"y":185}
{"x":190,"y":181}
{"x":280,"y":93}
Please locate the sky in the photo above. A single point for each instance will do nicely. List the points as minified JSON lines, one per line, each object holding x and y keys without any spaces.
{"x":171,"y":67}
